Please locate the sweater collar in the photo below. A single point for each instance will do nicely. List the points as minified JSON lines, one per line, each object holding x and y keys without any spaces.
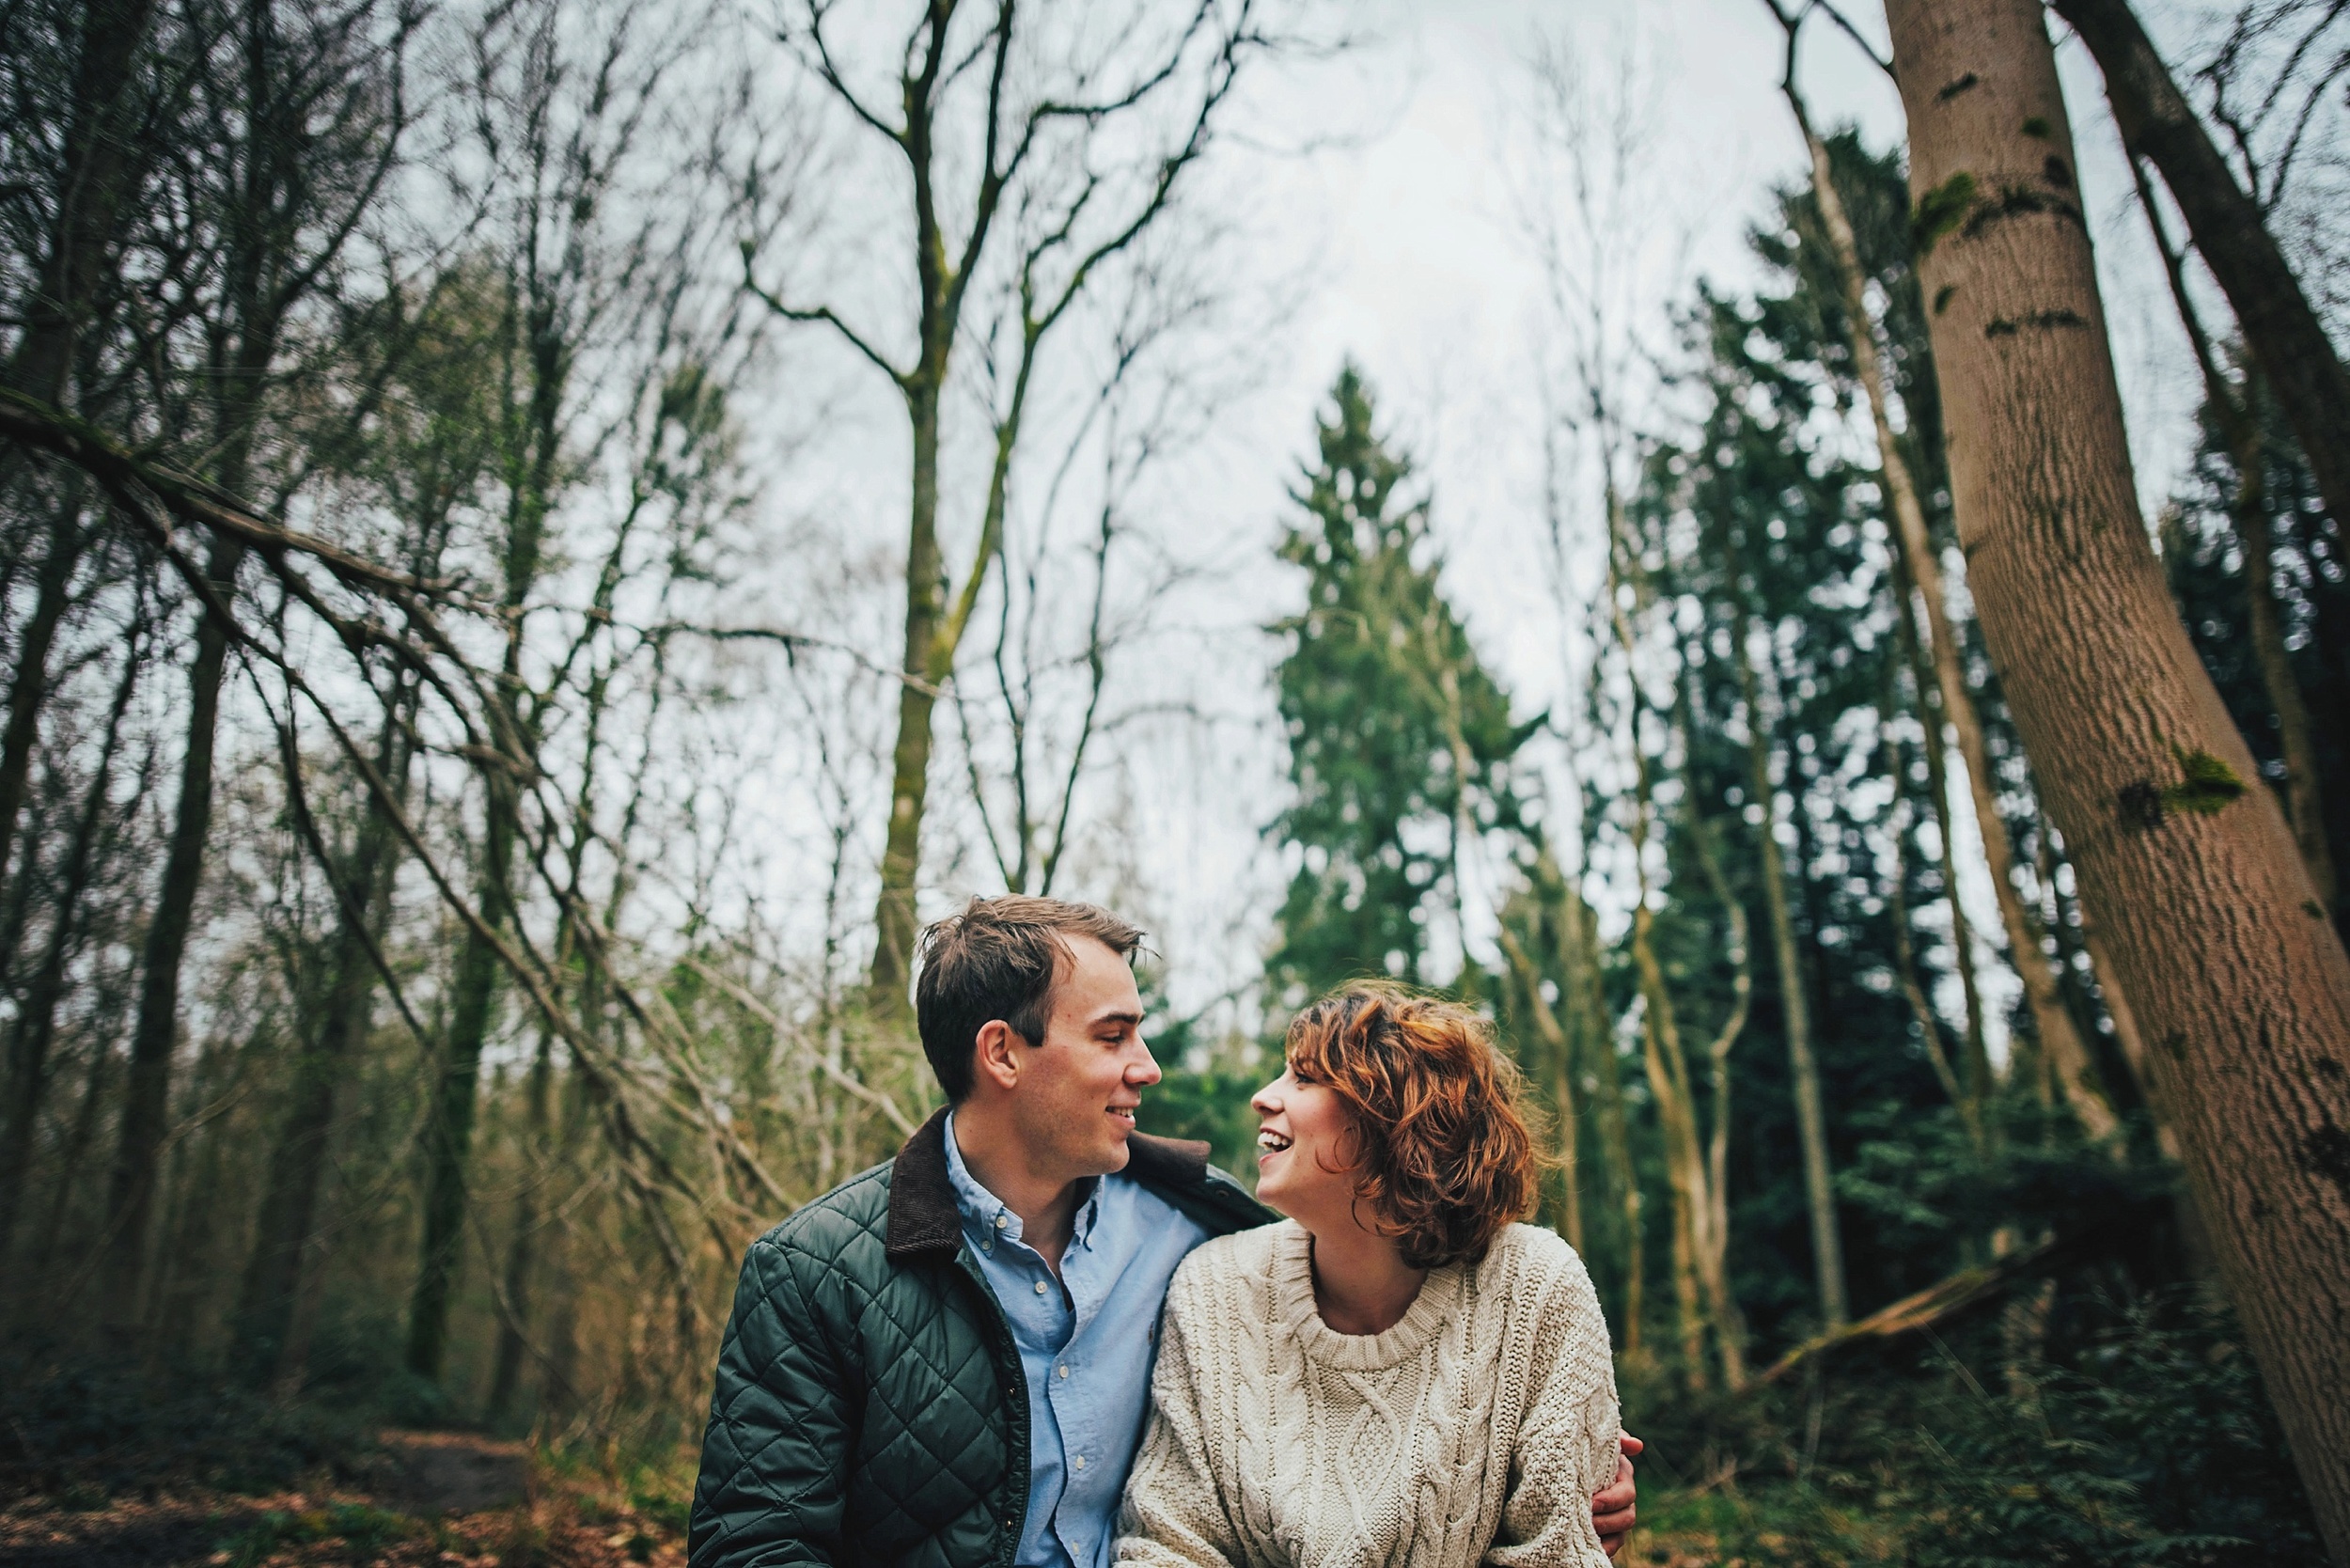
{"x":923,"y":1215}
{"x":1440,"y":1293}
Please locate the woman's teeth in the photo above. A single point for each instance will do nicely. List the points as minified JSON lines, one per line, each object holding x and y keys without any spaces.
{"x":1271,"y":1141}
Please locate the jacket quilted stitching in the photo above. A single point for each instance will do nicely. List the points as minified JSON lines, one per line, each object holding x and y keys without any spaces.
{"x":870,"y":1406}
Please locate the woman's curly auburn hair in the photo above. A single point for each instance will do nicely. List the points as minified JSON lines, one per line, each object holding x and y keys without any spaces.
{"x":1445,"y":1158}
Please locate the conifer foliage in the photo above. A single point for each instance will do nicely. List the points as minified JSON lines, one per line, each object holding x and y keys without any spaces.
{"x":1399,"y":739}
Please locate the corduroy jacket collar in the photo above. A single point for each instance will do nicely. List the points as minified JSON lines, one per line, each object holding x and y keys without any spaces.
{"x":922,"y":1212}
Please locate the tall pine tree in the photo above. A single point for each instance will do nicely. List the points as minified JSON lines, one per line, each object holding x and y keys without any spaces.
{"x":1400,"y":740}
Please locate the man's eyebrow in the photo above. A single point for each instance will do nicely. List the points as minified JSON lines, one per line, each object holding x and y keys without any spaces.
{"x":1101,"y":1018}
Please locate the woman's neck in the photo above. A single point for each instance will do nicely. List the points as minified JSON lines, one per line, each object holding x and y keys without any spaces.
{"x":1362,"y":1285}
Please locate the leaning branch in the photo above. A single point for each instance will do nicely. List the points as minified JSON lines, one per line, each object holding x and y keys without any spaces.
{"x":1937,"y":1303}
{"x":35,"y":425}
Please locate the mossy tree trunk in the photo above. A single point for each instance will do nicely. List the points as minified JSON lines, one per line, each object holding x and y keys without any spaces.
{"x":2190,"y":874}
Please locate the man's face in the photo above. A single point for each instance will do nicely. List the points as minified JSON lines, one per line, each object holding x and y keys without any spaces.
{"x":1080,"y":1086}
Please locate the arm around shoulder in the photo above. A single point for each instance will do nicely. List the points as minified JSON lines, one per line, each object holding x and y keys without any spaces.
{"x":774,"y":1463}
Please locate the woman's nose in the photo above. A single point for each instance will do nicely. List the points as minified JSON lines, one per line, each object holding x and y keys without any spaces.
{"x":1264,"y":1102}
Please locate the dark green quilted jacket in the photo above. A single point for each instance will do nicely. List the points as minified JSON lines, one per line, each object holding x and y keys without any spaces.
{"x":870,"y":1406}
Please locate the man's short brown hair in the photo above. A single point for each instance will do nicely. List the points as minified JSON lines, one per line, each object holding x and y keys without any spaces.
{"x":999,"y":960}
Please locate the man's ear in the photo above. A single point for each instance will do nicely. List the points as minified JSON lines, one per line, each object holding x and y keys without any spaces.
{"x":997,"y":1057}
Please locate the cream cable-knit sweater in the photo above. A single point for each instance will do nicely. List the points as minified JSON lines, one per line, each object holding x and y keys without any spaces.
{"x":1475,"y":1429}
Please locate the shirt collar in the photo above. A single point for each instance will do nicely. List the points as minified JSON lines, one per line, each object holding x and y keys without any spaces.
{"x":987,"y":1215}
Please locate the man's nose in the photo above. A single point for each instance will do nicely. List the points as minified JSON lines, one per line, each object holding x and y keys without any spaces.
{"x":1142,"y":1074}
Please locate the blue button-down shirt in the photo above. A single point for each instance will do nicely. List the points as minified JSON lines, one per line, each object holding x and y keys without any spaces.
{"x":1087,"y":1343}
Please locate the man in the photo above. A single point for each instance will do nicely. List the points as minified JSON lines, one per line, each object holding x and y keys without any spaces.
{"x":947,"y":1360}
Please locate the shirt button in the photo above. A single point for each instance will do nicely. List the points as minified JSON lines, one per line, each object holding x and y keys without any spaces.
{"x":1078,"y":1463}
{"x":1064,"y":1372}
{"x":1040,"y":1287}
{"x":1002,"y":1220}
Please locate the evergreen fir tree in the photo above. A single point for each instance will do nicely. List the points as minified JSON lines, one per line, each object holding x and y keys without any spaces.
{"x":1400,"y":740}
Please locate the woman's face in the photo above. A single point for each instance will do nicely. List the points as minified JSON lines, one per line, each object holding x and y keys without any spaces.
{"x":1307,"y":1147}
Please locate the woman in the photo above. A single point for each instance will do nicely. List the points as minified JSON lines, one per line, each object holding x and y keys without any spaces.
{"x":1398,"y":1372}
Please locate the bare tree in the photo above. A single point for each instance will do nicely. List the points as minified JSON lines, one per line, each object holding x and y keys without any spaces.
{"x":318,"y":96}
{"x":1075,"y":133}
{"x":2230,"y":229}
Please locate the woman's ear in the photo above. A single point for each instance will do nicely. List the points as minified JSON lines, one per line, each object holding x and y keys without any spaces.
{"x":997,"y":1058}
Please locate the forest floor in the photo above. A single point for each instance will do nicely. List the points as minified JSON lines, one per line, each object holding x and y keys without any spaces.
{"x":438,"y":1500}
{"x":450,"y":1500}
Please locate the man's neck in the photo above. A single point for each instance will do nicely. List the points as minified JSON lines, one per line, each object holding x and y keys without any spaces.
{"x":996,"y":1158}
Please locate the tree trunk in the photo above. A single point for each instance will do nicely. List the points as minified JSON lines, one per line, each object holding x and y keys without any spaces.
{"x":894,"y":916}
{"x":79,"y":1140}
{"x":2303,"y":792}
{"x":1905,"y":949}
{"x":29,"y":685}
{"x":2188,"y":873}
{"x":1558,"y":1052}
{"x":522,"y":1246}
{"x":1978,"y":1054}
{"x":2240,"y":426}
{"x":1578,"y":943}
{"x":1819,"y":1184}
{"x":155,"y":1036}
{"x":1684,"y":1169}
{"x":2060,"y":1037}
{"x":448,"y":1136}
{"x":1668,"y":1066}
{"x":35,"y":1026}
{"x":1730,"y":1323}
{"x":2285,"y":336}
{"x":286,"y":1232}
{"x":91,"y":194}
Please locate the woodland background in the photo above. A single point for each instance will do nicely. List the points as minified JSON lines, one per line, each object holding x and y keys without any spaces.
{"x":539,"y":539}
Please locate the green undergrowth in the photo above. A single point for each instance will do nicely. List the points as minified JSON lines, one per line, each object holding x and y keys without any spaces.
{"x":2141,"y":1436}
{"x":83,"y":1429}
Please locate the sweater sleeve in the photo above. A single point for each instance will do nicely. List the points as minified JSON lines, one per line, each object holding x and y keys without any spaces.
{"x":1174,"y":1515}
{"x":1566,"y":1447}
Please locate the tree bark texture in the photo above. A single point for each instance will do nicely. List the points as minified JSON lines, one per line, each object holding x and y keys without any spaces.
{"x":2232,"y":233}
{"x":2188,"y":872}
